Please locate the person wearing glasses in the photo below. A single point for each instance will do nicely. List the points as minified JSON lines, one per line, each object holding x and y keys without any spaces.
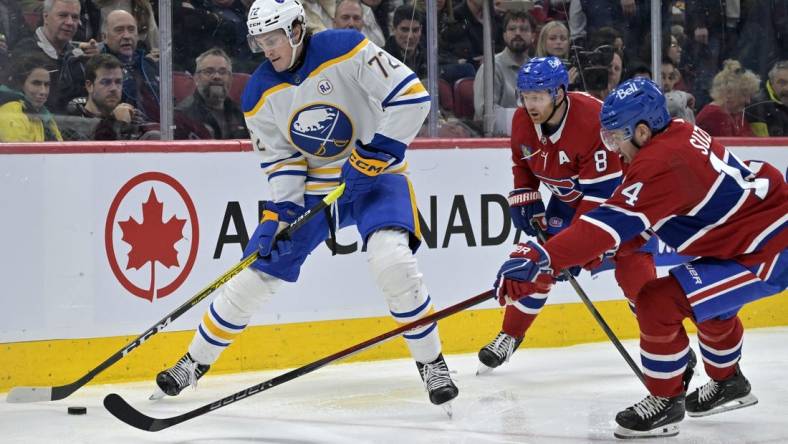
{"x":211,"y":104}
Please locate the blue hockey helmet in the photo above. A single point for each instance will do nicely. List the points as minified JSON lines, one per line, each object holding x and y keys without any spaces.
{"x":543,"y":73}
{"x":630,"y":103}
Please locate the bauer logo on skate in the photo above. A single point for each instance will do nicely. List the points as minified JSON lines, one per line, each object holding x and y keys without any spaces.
{"x":151,"y":235}
{"x":321,"y":130}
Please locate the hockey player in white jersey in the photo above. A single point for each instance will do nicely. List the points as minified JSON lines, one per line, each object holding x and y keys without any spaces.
{"x":325,"y":109}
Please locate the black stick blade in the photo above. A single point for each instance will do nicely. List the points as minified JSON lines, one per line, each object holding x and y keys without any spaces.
{"x":122,"y":410}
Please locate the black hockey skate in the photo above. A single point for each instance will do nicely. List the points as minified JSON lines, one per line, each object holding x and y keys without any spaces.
{"x":184,"y":373}
{"x":438,"y":382}
{"x":689,"y":372}
{"x":720,"y":396}
{"x":652,"y":417}
{"x":497,"y":352}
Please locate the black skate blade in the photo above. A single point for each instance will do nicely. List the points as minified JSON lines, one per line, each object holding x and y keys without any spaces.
{"x":740,"y":403}
{"x":659,"y":432}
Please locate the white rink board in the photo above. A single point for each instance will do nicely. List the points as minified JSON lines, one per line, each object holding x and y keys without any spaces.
{"x":59,"y":284}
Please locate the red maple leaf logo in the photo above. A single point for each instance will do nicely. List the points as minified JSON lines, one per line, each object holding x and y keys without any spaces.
{"x":152,"y":240}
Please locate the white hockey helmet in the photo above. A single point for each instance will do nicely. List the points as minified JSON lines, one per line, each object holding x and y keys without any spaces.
{"x":270,"y":15}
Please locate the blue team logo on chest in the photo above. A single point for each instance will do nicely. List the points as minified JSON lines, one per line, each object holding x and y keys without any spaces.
{"x":321,"y":129}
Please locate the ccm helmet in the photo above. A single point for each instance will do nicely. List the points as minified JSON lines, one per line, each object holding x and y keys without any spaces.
{"x":543,"y":73}
{"x":270,"y":15}
{"x":630,"y":103}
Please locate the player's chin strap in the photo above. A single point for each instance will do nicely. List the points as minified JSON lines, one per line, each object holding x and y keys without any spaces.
{"x":555,"y":107}
{"x":295,"y":48}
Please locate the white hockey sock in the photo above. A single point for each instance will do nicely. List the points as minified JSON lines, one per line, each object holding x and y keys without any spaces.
{"x":396,"y":272}
{"x":229,"y":313}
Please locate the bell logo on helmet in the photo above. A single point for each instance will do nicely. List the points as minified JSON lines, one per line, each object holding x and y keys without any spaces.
{"x":554,"y":62}
{"x":622,"y":93}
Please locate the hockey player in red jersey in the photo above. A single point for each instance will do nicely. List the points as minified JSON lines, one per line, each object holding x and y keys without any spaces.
{"x":685,"y":187}
{"x":555,"y":141}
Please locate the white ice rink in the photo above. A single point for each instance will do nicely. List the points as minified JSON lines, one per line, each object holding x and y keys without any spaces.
{"x":564,"y":395}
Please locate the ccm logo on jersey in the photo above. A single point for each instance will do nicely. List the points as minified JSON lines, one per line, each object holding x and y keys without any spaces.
{"x":370,"y":167}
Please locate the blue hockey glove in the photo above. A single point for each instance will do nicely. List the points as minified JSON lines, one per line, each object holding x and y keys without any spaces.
{"x":262,"y":240}
{"x":526,"y":205}
{"x":361,"y":171}
{"x":526,"y":272}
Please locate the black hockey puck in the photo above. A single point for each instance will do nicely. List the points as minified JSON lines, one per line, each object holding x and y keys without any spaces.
{"x":77,"y":410}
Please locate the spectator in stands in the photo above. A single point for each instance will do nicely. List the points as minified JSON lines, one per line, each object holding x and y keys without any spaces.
{"x":764,"y":35}
{"x":23,"y":113}
{"x":54,"y":38}
{"x":468,"y":47}
{"x":382,"y":11}
{"x":606,"y":36}
{"x":319,"y":14}
{"x":713,"y":27}
{"x":518,"y":29}
{"x":102,"y":115}
{"x":210,"y":103}
{"x":681,"y":104}
{"x":554,"y":41}
{"x":355,"y":15}
{"x":450,"y":31}
{"x":404,"y":43}
{"x":140,"y":72}
{"x":731,"y":90}
{"x":12,"y":29}
{"x":233,"y":15}
{"x":142,"y":10}
{"x":616,"y":71}
{"x":198,"y":29}
{"x":631,"y":17}
{"x":640,"y":69}
{"x":768,"y":116}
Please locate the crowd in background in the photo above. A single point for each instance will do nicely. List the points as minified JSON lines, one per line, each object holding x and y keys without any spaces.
{"x":89,"y":69}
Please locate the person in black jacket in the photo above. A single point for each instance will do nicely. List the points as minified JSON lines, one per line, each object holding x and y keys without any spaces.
{"x":210,"y":104}
{"x":102,"y":115}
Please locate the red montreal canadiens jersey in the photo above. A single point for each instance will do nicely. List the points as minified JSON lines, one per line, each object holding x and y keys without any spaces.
{"x":572,"y":162}
{"x":695,"y":195}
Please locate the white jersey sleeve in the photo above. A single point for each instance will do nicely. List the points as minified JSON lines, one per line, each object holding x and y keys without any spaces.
{"x":405,"y":102}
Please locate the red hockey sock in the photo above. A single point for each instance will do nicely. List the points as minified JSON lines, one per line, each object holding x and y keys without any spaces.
{"x":515,"y":322}
{"x":664,"y":345}
{"x":720,"y":345}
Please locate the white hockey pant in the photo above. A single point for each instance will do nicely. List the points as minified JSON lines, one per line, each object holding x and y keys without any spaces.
{"x":230,"y":312}
{"x":396,"y":273}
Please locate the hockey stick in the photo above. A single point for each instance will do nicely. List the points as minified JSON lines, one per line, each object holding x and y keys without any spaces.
{"x":121,"y":409}
{"x":594,"y":312}
{"x":32,"y":394}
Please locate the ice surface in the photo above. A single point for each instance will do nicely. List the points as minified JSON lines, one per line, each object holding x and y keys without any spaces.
{"x":562,"y":395}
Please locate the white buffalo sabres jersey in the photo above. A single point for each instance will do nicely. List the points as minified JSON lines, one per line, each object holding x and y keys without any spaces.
{"x":347,"y":91}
